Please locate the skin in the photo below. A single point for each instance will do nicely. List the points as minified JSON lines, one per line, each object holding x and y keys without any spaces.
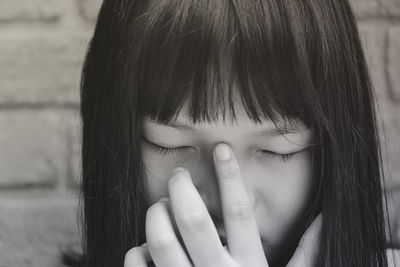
{"x":259,"y":196}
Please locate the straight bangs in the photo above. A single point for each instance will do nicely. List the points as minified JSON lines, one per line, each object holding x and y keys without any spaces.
{"x":212,"y":54}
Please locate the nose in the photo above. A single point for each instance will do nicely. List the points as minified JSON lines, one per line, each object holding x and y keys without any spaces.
{"x":212,"y":201}
{"x":205,"y":180}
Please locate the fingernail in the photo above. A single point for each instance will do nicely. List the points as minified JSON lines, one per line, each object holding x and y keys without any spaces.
{"x":223,"y":152}
{"x":164,"y":199}
{"x":178,"y":169}
{"x":183,"y":173}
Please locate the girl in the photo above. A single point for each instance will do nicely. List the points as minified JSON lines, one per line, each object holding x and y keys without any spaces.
{"x":265,"y":105}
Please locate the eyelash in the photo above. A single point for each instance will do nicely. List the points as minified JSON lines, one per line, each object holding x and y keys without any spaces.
{"x":282,"y":157}
{"x":177,"y":151}
{"x":165,"y":150}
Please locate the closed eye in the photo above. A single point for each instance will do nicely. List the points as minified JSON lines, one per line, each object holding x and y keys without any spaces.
{"x":180,"y":150}
{"x":283,"y":157}
{"x":166,"y":150}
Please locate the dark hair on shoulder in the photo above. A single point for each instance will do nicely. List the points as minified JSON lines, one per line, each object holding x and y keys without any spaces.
{"x":285,"y":58}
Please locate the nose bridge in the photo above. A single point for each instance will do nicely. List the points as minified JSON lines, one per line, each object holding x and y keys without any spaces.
{"x":206,"y":183}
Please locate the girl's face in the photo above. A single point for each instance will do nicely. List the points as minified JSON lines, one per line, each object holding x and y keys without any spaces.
{"x":276,"y":169}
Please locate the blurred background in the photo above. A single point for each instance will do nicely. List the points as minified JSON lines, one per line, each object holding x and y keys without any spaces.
{"x":42,"y":46}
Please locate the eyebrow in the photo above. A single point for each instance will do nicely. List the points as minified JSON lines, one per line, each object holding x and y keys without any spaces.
{"x":289,"y":129}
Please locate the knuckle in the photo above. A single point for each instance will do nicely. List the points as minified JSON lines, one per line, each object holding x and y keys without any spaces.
{"x":229,"y":174}
{"x":196,"y":220}
{"x":241,"y":212}
{"x":229,"y":171}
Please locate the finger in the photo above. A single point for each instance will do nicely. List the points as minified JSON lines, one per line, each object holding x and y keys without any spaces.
{"x":163,"y":244}
{"x":307,"y":250}
{"x":243,"y":237}
{"x":137,"y":257}
{"x":194,"y":222}
{"x":393,"y":256}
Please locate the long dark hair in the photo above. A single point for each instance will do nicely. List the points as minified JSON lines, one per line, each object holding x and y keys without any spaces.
{"x":285,"y":58}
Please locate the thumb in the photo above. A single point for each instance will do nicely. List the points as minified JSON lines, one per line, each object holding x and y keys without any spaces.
{"x":307,"y":250}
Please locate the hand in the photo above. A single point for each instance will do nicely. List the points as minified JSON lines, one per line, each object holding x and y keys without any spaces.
{"x":198,"y":232}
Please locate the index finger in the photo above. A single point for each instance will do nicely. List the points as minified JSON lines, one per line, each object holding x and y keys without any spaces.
{"x":242,"y":233}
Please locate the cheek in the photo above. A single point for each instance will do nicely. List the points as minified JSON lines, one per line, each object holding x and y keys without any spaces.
{"x":158,"y":170}
{"x":283,"y":193}
{"x":157,"y":174}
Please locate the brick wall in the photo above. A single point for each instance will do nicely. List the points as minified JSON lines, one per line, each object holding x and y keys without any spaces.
{"x":42,"y":44}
